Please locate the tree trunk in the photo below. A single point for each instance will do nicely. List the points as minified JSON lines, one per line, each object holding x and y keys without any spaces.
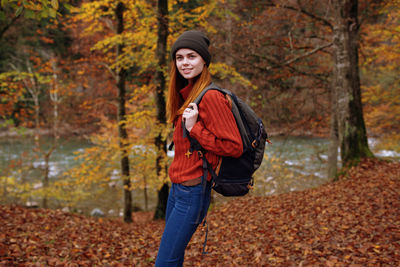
{"x":162,"y":202}
{"x":123,"y":135}
{"x":334,"y":134}
{"x":54,"y":97}
{"x":160,"y":142}
{"x":351,"y":127}
{"x":333,"y":145}
{"x":46,"y":180}
{"x":37,"y":120}
{"x":146,"y":198}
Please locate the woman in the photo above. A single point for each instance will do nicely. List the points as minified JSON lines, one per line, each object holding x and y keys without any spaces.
{"x":211,"y":124}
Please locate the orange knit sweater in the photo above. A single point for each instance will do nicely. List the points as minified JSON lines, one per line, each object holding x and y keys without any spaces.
{"x":215,"y":130}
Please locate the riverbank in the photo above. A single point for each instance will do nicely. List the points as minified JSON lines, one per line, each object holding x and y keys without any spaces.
{"x":352,"y":222}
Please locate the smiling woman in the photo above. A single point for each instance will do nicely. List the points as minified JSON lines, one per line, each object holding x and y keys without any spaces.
{"x":189,"y":197}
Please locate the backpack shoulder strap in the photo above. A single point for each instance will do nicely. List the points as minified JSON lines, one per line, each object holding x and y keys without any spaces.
{"x":198,"y":99}
{"x":212,"y":86}
{"x":241,"y":123}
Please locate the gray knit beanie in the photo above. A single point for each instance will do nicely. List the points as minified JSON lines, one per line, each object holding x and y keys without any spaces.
{"x":194,"y":40}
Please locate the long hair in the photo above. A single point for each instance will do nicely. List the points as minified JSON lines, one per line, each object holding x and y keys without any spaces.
{"x":175,"y":103}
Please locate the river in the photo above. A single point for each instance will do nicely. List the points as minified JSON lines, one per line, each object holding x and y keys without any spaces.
{"x":290,"y":164}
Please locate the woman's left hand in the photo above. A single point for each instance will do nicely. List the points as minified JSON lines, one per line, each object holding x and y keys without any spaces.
{"x":190,"y":115}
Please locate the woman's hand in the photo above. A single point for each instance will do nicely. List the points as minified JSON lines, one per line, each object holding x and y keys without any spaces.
{"x":190,"y":115}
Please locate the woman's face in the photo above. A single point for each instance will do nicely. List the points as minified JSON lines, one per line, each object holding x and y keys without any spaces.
{"x":189,"y":63}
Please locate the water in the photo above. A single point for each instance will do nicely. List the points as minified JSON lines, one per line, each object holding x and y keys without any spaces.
{"x":20,"y":153}
{"x":290,"y":164}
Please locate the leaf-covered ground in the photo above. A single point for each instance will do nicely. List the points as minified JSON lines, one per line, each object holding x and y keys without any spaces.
{"x":353,"y":222}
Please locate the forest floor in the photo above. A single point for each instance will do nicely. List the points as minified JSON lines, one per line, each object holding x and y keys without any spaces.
{"x":352,"y":222}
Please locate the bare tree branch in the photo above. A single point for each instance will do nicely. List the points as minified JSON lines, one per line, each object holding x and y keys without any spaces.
{"x":303,"y":11}
{"x":113,"y":74}
{"x":315,"y":50}
{"x":275,"y":64}
{"x":6,"y":27}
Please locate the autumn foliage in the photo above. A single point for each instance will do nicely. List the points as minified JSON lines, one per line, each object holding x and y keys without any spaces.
{"x":352,"y":222}
{"x":58,"y":70}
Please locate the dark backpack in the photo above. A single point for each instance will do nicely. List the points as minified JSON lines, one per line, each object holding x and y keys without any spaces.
{"x":235,"y":175}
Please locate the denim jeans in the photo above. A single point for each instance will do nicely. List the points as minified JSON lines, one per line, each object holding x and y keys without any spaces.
{"x":186,"y":208}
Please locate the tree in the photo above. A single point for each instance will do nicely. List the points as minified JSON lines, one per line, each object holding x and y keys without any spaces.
{"x":35,"y":79}
{"x":39,"y":78}
{"x":292,"y":57}
{"x":347,"y":121}
{"x":38,"y":42}
{"x":160,"y":142}
{"x":123,"y":135}
{"x":349,"y":112}
{"x":125,"y":44}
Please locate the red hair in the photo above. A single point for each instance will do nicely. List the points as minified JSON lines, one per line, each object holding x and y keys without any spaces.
{"x":175,"y":103}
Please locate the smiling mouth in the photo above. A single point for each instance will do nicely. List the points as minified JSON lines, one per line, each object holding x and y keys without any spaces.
{"x":186,"y":71}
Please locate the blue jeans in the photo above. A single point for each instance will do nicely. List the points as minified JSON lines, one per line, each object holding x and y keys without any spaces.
{"x":186,"y":208}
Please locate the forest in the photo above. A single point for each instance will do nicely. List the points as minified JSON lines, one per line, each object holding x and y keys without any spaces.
{"x":83,"y":83}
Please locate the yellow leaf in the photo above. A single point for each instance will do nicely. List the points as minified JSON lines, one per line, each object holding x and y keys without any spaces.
{"x":54,"y":4}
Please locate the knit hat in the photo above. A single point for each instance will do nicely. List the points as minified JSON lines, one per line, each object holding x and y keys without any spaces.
{"x":194,"y":40}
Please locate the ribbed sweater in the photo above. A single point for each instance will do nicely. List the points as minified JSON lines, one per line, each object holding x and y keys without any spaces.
{"x":215,"y":130}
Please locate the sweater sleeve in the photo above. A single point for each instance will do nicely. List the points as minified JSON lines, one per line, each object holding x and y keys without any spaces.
{"x":216,"y":128}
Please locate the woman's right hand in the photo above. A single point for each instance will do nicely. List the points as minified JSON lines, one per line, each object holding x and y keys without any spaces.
{"x":190,"y":115}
